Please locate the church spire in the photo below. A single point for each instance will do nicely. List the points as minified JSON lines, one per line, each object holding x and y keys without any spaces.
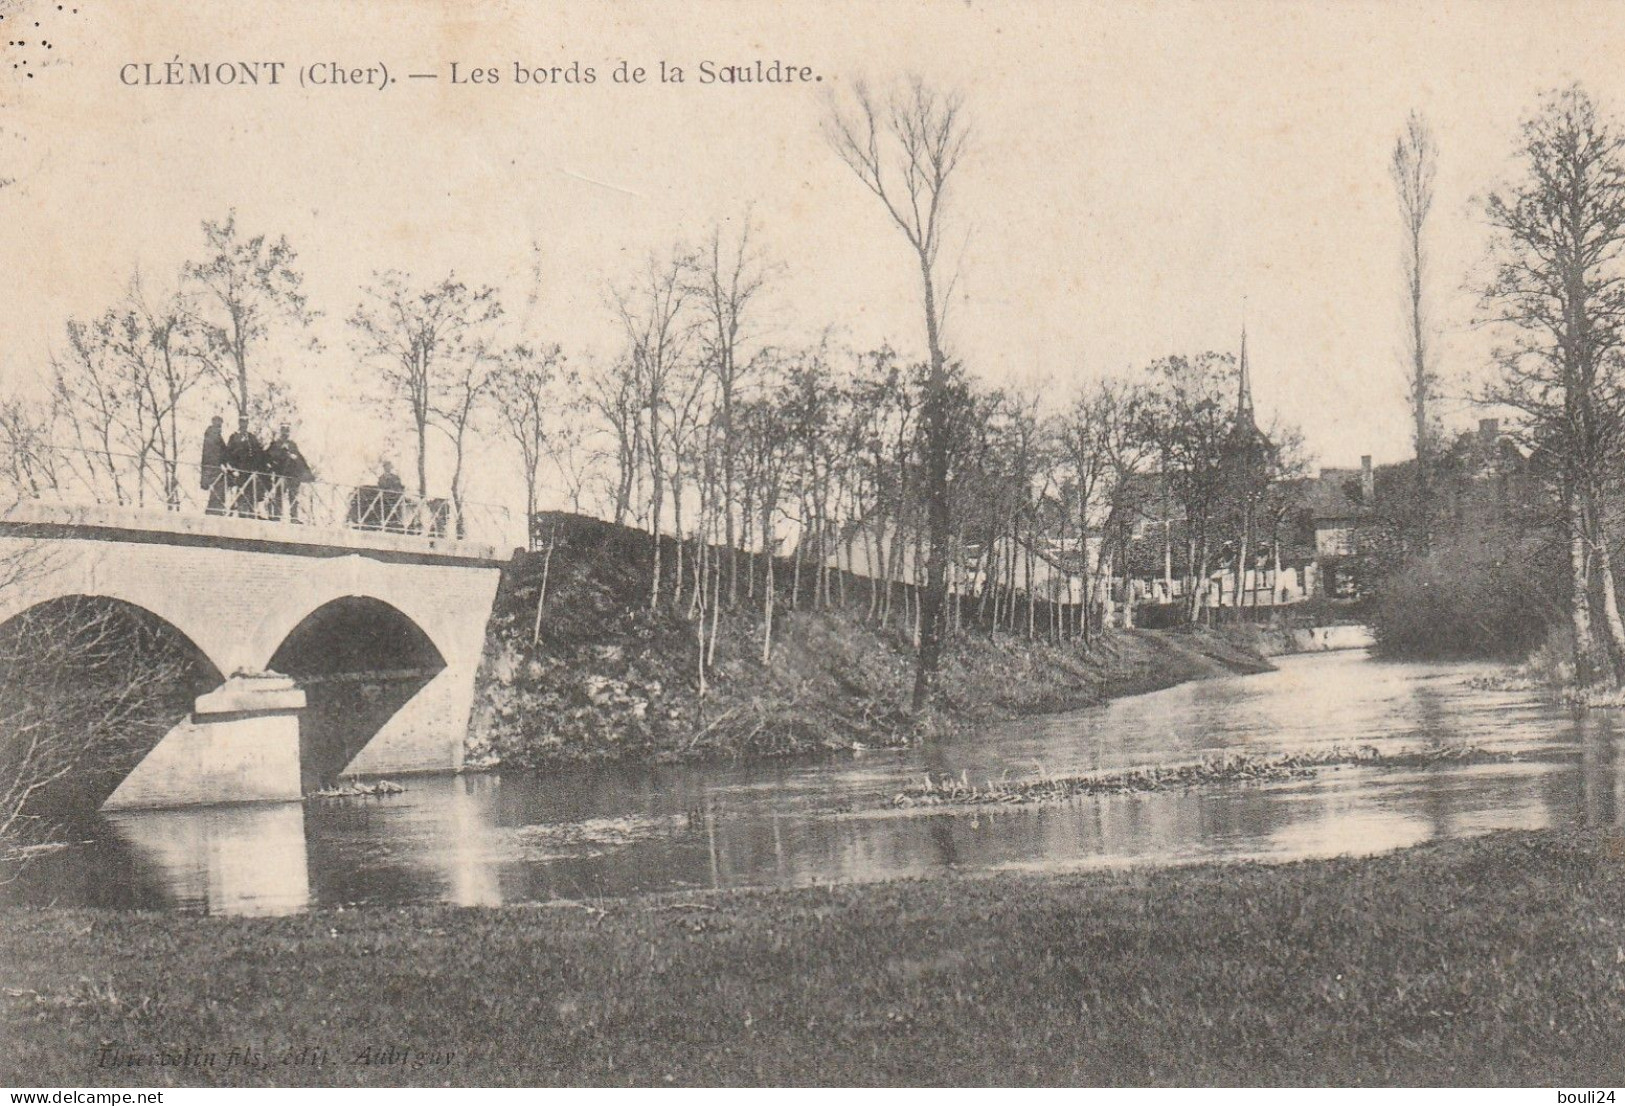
{"x":1244,"y":401}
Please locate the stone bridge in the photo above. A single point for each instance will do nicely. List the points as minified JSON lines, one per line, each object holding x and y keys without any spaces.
{"x":370,"y":639}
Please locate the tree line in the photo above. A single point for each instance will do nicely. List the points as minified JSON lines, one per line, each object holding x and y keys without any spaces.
{"x":963,"y":502}
{"x":1553,"y":297}
{"x":698,"y":430}
{"x":907,"y":470}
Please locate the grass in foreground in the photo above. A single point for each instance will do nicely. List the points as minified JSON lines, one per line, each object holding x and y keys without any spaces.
{"x":1493,"y":961}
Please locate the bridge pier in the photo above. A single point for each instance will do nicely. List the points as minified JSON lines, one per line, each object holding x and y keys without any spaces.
{"x":425,"y":735}
{"x":241,"y":744}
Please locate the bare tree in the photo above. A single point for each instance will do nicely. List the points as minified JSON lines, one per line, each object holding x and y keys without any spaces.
{"x":613,"y":392}
{"x":456,"y":406}
{"x":729,"y":277}
{"x":526,"y":392}
{"x":764,"y":459}
{"x":906,"y":151}
{"x":573,"y":445}
{"x":687,"y":410}
{"x":884,"y":411}
{"x":244,"y":286}
{"x":118,"y":389}
{"x":1191,"y":421}
{"x":158,"y":338}
{"x":29,"y":462}
{"x":1413,"y":167}
{"x":1558,"y":296}
{"x":424,"y":342}
{"x":91,"y":401}
{"x":83,"y":685}
{"x":1102,"y":448}
{"x":654,"y":319}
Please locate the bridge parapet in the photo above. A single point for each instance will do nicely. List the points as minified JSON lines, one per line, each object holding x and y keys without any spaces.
{"x":46,"y":517}
{"x":80,"y":488}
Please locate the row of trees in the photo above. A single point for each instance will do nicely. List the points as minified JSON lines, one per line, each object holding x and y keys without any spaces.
{"x":960,"y":490}
{"x":129,"y":390}
{"x":699,"y":428}
{"x":1555,"y":299}
{"x":824,"y":454}
{"x":126,"y":391}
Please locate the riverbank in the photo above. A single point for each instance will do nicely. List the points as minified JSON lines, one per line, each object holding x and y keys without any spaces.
{"x":1283,"y":641}
{"x":596,"y":675}
{"x":1493,"y":961}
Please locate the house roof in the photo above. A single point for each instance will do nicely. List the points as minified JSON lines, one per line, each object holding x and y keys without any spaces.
{"x":1327,"y":497}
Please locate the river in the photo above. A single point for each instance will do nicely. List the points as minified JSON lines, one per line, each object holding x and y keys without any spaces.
{"x":487,"y":838}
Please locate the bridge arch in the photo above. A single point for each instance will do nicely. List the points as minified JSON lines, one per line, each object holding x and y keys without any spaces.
{"x":70,"y":578}
{"x":342,"y":578}
{"x":238,"y":595}
{"x":101,"y":681}
{"x":358,"y":660}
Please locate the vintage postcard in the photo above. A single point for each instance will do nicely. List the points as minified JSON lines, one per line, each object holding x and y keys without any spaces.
{"x":843,"y":543}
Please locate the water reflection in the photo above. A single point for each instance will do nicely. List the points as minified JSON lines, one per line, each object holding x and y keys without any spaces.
{"x":247,"y":859}
{"x":487,"y":839}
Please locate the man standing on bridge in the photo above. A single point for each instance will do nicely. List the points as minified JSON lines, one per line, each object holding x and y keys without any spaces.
{"x":391,"y":491}
{"x":213,"y":480}
{"x":246,"y":471}
{"x":291,"y":469}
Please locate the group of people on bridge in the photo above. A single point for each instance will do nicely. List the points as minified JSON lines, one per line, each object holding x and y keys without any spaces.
{"x":251,"y":480}
{"x":244,"y":477}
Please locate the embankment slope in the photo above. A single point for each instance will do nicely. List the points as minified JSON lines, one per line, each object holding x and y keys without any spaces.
{"x":603,"y":676}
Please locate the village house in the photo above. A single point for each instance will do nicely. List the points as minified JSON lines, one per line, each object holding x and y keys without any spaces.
{"x":1326,"y":543}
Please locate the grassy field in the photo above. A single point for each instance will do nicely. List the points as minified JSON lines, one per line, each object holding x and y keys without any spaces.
{"x":1494,"y":961}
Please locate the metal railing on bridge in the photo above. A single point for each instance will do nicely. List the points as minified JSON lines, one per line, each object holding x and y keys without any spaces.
{"x":74,"y":476}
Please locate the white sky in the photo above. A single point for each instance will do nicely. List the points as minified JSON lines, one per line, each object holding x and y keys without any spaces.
{"x":1136,"y":171}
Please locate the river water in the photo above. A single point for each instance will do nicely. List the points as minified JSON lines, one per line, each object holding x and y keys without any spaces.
{"x":607,"y":832}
